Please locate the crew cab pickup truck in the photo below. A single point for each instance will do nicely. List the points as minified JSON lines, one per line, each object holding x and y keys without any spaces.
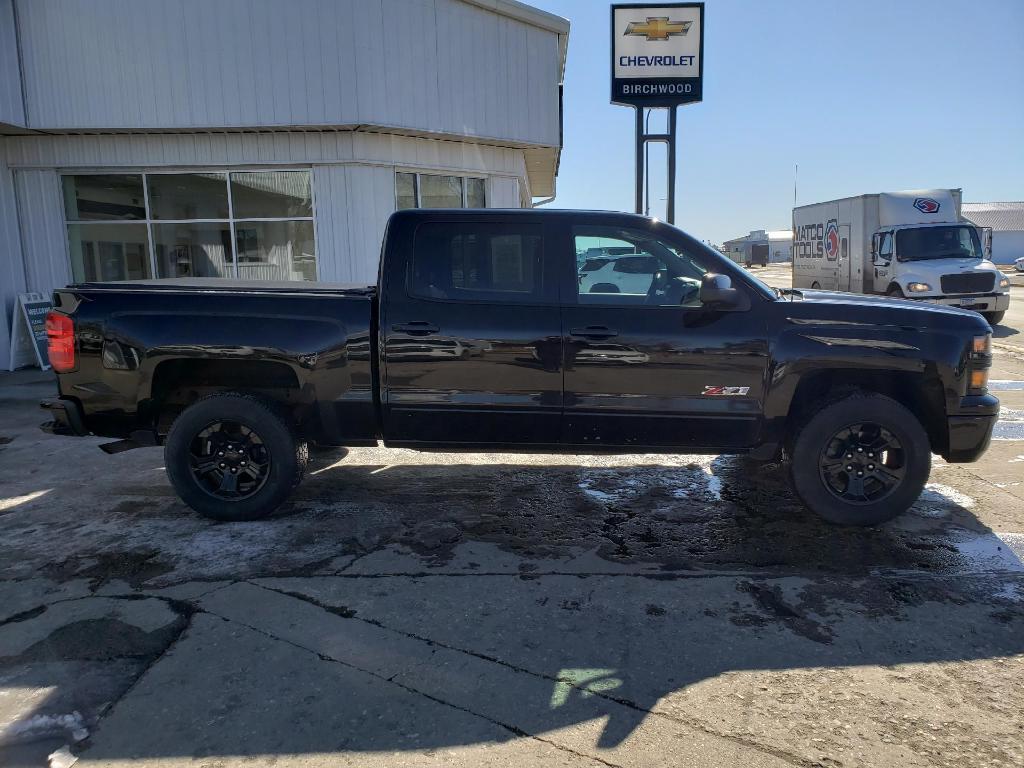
{"x":480,"y":334}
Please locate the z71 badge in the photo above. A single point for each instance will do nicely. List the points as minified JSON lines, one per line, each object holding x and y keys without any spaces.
{"x":725,"y":390}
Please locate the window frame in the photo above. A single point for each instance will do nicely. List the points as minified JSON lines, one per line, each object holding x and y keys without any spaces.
{"x":547,"y":296}
{"x":418,"y":187}
{"x":564,"y":240}
{"x":149,"y":221}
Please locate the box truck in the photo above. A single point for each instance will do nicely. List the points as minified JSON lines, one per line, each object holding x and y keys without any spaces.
{"x":912,"y":245}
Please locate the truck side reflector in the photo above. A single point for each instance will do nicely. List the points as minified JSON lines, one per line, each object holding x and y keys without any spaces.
{"x":979,"y":379}
{"x":60,"y":338}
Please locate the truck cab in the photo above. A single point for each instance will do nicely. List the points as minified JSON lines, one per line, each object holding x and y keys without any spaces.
{"x":941,"y":261}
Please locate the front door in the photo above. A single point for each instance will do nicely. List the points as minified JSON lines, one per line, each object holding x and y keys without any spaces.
{"x":472,"y":340}
{"x":646,"y":364}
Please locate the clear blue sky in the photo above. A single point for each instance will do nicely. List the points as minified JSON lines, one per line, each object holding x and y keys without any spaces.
{"x":866,"y":95}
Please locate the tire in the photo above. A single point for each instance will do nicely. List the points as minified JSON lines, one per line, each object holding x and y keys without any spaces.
{"x":815,"y":447}
{"x":816,"y":286}
{"x":895,"y":292}
{"x":994,"y":318}
{"x":269,"y":460}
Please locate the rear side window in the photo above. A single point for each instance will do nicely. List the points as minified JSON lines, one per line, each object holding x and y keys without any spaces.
{"x":470,"y":261}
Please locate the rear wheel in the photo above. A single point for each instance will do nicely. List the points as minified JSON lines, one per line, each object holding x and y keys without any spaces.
{"x":994,"y":318}
{"x":860,"y":460}
{"x":233,"y":457}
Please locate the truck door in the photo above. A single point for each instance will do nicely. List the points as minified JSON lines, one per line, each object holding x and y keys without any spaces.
{"x":652,"y":367}
{"x":471,"y":333}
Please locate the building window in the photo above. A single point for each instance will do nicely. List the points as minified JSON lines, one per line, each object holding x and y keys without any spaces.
{"x":424,"y":190}
{"x":256,"y":225}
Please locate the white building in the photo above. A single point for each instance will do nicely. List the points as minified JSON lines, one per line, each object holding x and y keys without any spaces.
{"x":265,"y":139}
{"x":761,"y":246}
{"x":1007,"y":223}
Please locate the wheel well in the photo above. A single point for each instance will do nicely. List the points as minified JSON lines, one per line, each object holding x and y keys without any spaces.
{"x":179,"y":383}
{"x":920,"y":393}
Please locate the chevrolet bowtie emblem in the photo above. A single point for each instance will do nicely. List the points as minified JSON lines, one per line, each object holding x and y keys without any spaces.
{"x":658,"y":28}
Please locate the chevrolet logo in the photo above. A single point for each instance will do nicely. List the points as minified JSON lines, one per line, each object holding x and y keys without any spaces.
{"x":658,"y":28}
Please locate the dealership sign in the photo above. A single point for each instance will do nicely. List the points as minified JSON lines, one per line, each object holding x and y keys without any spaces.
{"x":657,"y":54}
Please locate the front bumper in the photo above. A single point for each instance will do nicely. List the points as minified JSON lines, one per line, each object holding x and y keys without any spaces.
{"x":985,"y":302}
{"x":67,"y":417}
{"x":970,"y":431}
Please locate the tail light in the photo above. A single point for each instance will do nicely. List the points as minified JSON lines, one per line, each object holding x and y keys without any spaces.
{"x":60,"y":336}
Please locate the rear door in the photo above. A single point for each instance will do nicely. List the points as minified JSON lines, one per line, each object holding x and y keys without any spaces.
{"x":646,"y":365}
{"x":471,"y":333}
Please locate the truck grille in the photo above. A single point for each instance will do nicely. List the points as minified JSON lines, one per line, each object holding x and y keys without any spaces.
{"x":969,"y":282}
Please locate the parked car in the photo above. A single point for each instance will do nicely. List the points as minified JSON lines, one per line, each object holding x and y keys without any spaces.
{"x":1019,"y":264}
{"x":480,"y":335}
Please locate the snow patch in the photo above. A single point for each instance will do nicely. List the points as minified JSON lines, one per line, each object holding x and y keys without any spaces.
{"x":44,"y":726}
{"x":992,"y":551}
{"x":937,"y":500}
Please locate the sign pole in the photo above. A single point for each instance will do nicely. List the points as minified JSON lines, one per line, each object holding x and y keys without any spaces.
{"x":657,"y":62}
{"x":671,"y":214}
{"x":640,"y":141}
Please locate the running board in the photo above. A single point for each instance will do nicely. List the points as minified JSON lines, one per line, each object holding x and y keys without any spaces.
{"x":140,"y":438}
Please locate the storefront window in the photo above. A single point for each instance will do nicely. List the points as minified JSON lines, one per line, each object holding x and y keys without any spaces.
{"x":424,"y":190}
{"x":108,"y":252}
{"x":249,"y":224}
{"x":190,"y":249}
{"x":178,"y":196}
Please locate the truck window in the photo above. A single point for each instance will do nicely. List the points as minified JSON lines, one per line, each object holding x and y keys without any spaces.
{"x":639,"y":269}
{"x":478,"y":261}
{"x":885,"y":246}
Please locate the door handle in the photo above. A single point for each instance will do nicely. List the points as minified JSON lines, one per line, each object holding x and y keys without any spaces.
{"x":415,"y":328}
{"x":593,"y":332}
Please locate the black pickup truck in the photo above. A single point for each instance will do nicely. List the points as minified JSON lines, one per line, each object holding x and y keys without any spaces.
{"x":541,"y":331}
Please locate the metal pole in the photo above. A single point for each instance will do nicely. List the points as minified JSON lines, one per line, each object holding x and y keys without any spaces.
{"x":671,"y":213}
{"x":639,"y":160}
{"x":647,"y":165}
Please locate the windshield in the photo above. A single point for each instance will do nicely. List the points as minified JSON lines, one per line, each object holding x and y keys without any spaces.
{"x":952,"y":242}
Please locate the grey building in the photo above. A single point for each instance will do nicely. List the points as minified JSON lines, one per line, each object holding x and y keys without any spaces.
{"x":761,"y":246}
{"x":265,"y":139}
{"x":1007,"y":223}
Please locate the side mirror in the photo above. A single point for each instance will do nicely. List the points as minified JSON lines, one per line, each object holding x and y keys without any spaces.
{"x":717,"y":291}
{"x":874,"y":246}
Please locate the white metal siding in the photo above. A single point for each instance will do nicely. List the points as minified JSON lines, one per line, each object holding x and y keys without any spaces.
{"x":43,"y":239}
{"x":503,"y":192}
{"x":1007,"y":246}
{"x":12,"y":273}
{"x":11,"y":109}
{"x":352,"y":207}
{"x":442,"y":66}
{"x":153,"y":150}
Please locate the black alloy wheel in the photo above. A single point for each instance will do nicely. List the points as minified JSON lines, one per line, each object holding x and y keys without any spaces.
{"x":234,"y":456}
{"x":862,"y":463}
{"x":229,"y":460}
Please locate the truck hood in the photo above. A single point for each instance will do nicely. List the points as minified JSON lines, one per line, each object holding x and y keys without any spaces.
{"x":833,"y":306}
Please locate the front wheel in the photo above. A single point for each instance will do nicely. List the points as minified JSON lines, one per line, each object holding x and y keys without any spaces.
{"x":994,"y":318}
{"x":232,"y":456}
{"x":860,"y":460}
